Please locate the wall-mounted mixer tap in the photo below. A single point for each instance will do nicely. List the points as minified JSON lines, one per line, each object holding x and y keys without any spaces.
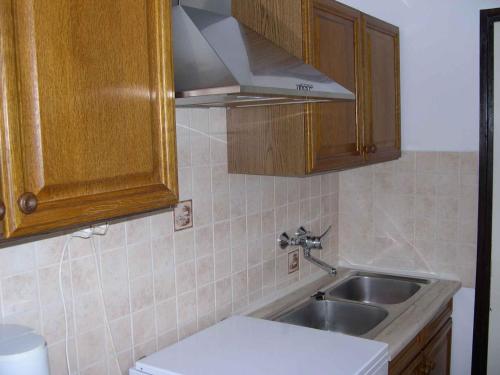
{"x":308,"y":241}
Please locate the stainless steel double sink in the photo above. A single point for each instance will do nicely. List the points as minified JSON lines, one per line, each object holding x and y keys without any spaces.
{"x":363,"y":304}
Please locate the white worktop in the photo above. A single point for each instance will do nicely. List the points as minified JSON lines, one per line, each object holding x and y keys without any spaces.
{"x":249,"y":346}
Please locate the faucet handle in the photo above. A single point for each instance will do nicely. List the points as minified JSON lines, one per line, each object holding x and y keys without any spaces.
{"x":314,"y":242}
{"x":325,"y":232}
{"x":302,"y":232}
{"x":284,"y":240}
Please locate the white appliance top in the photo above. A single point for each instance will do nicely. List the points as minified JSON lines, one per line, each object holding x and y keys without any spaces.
{"x":18,"y":340}
{"x":248,"y":346}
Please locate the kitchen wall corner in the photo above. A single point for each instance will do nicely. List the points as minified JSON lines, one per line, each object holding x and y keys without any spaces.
{"x":418,"y":213}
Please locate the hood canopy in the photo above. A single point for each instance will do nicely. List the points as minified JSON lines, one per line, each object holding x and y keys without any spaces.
{"x":222,"y":63}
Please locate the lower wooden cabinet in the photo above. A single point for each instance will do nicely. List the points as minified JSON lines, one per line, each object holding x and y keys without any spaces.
{"x":415,"y":367}
{"x":429,"y":352}
{"x":436,"y":355}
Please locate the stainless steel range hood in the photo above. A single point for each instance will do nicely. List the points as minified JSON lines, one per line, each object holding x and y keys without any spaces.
{"x":221,"y":63}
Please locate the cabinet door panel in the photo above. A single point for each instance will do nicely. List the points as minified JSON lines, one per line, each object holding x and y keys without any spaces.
{"x":335,"y":129}
{"x":269,"y":140}
{"x":415,"y":367}
{"x":437,"y":353}
{"x":87,"y":110}
{"x":382,"y":113}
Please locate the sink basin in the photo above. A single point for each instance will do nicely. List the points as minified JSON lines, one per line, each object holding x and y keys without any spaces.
{"x":349,"y":318}
{"x":375,"y":288}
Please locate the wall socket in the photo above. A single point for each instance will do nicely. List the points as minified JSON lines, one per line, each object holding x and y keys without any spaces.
{"x":293,"y":261}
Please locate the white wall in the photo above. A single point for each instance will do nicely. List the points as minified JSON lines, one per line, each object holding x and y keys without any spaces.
{"x":439,"y":69}
{"x":439,"y":98}
{"x":463,"y":324}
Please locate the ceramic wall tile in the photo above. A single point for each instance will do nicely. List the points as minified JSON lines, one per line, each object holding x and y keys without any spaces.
{"x":160,"y":285}
{"x":419,"y":214}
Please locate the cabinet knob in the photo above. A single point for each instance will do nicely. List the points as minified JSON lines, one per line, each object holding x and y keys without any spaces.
{"x":432,"y":365}
{"x":2,"y":210}
{"x":427,"y":367}
{"x":28,"y":203}
{"x":370,"y":149}
{"x":423,"y":369}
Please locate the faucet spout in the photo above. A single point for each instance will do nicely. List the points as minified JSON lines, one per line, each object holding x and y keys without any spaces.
{"x":318,"y":262}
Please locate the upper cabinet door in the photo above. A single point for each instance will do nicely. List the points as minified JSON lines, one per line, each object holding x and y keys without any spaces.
{"x":335,"y":130}
{"x":87,"y":111}
{"x":382,"y":100}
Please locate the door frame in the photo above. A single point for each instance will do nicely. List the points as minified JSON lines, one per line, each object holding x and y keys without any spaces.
{"x":483,"y":268}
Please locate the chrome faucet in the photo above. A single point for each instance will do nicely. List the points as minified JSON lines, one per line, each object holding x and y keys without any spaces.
{"x":308,"y":242}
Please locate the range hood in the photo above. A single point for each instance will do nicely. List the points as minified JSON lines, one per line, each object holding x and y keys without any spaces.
{"x":219,"y":62}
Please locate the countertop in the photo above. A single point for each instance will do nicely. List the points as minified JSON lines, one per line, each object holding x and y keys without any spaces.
{"x":400,"y":331}
{"x":250,"y":345}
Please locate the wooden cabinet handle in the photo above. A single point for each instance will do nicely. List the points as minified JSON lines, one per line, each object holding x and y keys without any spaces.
{"x":2,"y":211}
{"x":28,"y":203}
{"x":427,"y":367}
{"x":370,"y":149}
{"x":432,"y":365}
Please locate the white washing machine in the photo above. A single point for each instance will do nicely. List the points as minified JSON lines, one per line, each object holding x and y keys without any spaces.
{"x":248,"y":346}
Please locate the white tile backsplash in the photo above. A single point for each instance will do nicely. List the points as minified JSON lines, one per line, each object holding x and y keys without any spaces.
{"x":416,"y":213}
{"x":160,"y":285}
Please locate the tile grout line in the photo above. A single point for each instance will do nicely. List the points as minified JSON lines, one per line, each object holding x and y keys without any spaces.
{"x":213,"y":221}
{"x":127,"y":258}
{"x":261,"y":235}
{"x":39,"y":297}
{"x":2,"y":311}
{"x":155,"y":305}
{"x":73,"y":307}
{"x":192,"y":197}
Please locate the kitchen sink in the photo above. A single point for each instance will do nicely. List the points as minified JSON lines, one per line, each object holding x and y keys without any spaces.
{"x":377,"y":288}
{"x":346,"y":317}
{"x":360,"y":304}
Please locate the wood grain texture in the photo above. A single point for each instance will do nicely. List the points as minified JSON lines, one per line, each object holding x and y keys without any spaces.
{"x":266,"y":140}
{"x":358,"y":51}
{"x":415,"y":366}
{"x":382,"y":91}
{"x":405,"y":360}
{"x":277,"y":20}
{"x":333,"y":45}
{"x":280,"y":22}
{"x":87,"y":110}
{"x":437,"y":353}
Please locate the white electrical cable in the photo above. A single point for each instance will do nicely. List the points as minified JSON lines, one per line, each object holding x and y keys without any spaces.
{"x":61,"y":291}
{"x":86,"y":234}
{"x":101,"y":292}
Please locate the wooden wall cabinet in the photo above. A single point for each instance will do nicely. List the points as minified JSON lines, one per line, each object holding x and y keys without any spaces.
{"x":87,"y":125}
{"x":382,"y":127}
{"x":358,"y":51}
{"x":430,"y":351}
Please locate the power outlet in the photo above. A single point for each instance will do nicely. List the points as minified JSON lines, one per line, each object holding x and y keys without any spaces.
{"x":293,"y":261}
{"x":99,"y":230}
